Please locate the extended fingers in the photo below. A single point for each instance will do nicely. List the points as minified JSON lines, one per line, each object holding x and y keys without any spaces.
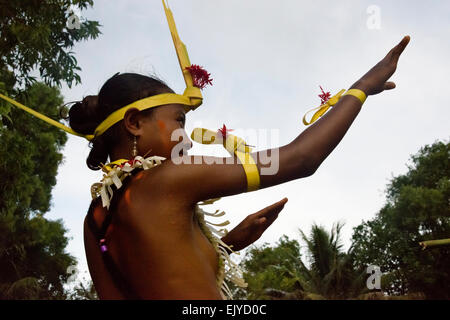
{"x":272,"y":210}
{"x":277,"y":206}
{"x":398,"y":49}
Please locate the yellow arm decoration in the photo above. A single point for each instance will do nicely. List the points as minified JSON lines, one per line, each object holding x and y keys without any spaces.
{"x":323,"y":108}
{"x":331,"y":102}
{"x":356,"y":93}
{"x":235,"y":146}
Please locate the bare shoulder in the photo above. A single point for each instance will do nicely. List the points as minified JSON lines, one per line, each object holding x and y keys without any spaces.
{"x":194,"y":178}
{"x":149,"y":195}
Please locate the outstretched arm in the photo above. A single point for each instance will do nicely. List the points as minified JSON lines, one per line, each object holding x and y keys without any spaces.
{"x":319,"y":140}
{"x":204,"y":177}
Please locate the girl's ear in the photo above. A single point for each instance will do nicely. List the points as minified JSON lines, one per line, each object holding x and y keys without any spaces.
{"x":132,"y":121}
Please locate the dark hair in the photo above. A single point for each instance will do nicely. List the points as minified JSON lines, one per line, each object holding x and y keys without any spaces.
{"x":119,"y":91}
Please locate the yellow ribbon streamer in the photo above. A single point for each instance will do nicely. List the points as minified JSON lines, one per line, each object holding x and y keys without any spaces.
{"x":323,"y":108}
{"x":433,"y":243}
{"x":44,"y":117}
{"x":235,"y":146}
{"x":116,"y":116}
{"x":192,"y":92}
{"x":332,"y":101}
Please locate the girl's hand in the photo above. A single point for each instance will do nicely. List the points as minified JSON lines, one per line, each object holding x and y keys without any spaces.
{"x":253,"y":226}
{"x":375,"y":81}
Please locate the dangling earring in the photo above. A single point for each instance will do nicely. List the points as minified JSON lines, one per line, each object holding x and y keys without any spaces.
{"x":134,"y":152}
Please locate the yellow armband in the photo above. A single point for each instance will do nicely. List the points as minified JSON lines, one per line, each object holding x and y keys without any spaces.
{"x":356,"y":93}
{"x":235,"y":146}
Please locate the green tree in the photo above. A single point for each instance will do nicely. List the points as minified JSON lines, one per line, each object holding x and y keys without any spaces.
{"x":267,"y":269}
{"x":83,"y":291}
{"x":33,"y":261}
{"x":37,"y":35}
{"x":417,"y":209}
{"x":332,"y":273}
{"x":279,"y":272}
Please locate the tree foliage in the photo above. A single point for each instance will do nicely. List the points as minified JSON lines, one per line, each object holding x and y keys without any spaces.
{"x":271,"y":268}
{"x":279,"y":271}
{"x":417,"y":209}
{"x":33,"y":261}
{"x":34,"y":38}
{"x":83,"y":291}
{"x":332,"y":273}
{"x":34,"y":34}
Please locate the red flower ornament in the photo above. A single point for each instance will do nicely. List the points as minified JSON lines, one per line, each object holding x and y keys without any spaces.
{"x":200,"y":76}
{"x":224,"y":131}
{"x":325,"y":96}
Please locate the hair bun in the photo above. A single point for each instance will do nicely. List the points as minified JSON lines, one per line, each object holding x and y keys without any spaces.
{"x":84,"y":116}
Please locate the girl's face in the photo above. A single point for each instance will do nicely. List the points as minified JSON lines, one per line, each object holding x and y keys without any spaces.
{"x":164,"y":132}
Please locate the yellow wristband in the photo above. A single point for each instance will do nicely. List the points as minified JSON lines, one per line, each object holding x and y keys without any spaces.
{"x":356,"y":93}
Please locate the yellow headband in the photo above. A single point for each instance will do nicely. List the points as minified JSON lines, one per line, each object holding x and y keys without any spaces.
{"x":146,"y":103}
{"x":191,"y":97}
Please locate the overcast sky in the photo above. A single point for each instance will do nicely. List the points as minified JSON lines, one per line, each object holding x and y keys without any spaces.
{"x":267,"y":60}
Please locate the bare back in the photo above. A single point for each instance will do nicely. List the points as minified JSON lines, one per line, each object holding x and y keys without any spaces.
{"x":156,"y":244}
